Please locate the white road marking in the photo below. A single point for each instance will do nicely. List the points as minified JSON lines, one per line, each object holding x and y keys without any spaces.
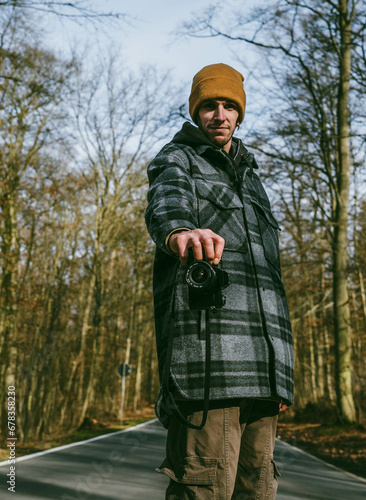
{"x":78,"y":443}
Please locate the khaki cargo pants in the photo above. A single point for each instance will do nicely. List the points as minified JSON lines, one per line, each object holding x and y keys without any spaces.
{"x":231,"y":458}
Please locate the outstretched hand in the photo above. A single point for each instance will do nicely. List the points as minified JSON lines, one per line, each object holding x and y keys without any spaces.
{"x":202,"y":241}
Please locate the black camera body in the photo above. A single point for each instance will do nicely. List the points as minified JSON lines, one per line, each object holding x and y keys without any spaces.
{"x":205,"y":285}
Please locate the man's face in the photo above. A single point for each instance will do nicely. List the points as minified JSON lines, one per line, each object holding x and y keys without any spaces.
{"x":217,"y":118}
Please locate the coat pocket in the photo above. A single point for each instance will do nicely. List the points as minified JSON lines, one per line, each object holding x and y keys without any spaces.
{"x":269,"y":232}
{"x":221,"y":210}
{"x":219,"y":194}
{"x":191,"y":470}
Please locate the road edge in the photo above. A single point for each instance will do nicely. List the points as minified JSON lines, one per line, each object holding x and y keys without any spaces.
{"x":77,"y":443}
{"x":354,"y":476}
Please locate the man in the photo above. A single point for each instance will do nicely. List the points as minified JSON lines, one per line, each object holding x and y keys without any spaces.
{"x":225,"y":371}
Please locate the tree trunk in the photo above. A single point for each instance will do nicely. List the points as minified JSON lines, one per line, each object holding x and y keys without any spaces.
{"x":84,"y":334}
{"x":8,"y":310}
{"x":139,"y":349}
{"x":362,"y":293}
{"x":312,"y":347}
{"x":9,"y":252}
{"x":342,"y":325}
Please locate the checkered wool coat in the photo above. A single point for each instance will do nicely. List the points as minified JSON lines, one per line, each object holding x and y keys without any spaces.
{"x":193,"y":184}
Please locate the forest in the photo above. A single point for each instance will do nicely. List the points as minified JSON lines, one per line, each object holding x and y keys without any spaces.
{"x":75,"y":257}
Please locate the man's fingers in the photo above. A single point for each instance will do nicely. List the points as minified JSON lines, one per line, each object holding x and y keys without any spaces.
{"x":184,"y":243}
{"x":204,"y":243}
{"x":196,"y":245}
{"x":208,"y":247}
{"x":283,"y":406}
{"x":219,"y":248}
{"x":183,"y":247}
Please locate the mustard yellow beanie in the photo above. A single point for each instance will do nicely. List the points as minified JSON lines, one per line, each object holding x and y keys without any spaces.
{"x":215,"y":81}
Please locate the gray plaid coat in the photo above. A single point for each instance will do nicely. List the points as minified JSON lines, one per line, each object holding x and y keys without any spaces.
{"x":193,"y":184}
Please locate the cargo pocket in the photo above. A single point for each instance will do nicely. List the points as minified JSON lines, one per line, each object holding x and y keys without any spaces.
{"x":271,"y":490}
{"x":191,"y":471}
{"x":276,"y":472}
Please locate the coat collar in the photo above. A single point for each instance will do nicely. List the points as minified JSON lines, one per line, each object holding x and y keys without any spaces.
{"x":191,"y":135}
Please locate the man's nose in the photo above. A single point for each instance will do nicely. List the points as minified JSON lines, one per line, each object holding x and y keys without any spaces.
{"x":219,"y":113}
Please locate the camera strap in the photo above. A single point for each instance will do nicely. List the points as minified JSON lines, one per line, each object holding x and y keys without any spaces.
{"x":167,"y":394}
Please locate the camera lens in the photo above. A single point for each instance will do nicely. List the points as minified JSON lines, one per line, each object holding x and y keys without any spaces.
{"x":200,"y":275}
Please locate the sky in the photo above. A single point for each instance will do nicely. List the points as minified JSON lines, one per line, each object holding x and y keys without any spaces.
{"x":154,"y":39}
{"x":149,"y":37}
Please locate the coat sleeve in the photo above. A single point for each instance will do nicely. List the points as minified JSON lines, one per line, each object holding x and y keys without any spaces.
{"x":171,"y":196}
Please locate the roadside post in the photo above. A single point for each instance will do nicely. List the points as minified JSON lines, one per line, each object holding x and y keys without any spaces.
{"x":123,"y":371}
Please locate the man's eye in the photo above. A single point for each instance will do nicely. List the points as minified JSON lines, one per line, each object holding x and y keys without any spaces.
{"x":230,"y":106}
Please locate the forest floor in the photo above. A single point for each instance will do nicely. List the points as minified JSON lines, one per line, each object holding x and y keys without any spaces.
{"x":342,"y":446}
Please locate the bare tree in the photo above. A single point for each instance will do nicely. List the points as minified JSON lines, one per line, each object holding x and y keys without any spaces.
{"x":30,"y":104}
{"x":120,"y":117}
{"x":73,"y":242}
{"x":309,"y":47}
{"x":78,"y":10}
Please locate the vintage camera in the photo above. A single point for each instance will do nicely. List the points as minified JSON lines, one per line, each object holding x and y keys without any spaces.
{"x":205,"y":285}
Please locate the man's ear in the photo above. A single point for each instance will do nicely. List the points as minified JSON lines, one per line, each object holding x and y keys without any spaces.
{"x":198,"y":122}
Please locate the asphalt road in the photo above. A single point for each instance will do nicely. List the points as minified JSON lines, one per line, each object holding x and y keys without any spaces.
{"x":120,"y":466}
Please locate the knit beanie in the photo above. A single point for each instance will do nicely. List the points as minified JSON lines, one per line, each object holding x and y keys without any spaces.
{"x":214,"y":82}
